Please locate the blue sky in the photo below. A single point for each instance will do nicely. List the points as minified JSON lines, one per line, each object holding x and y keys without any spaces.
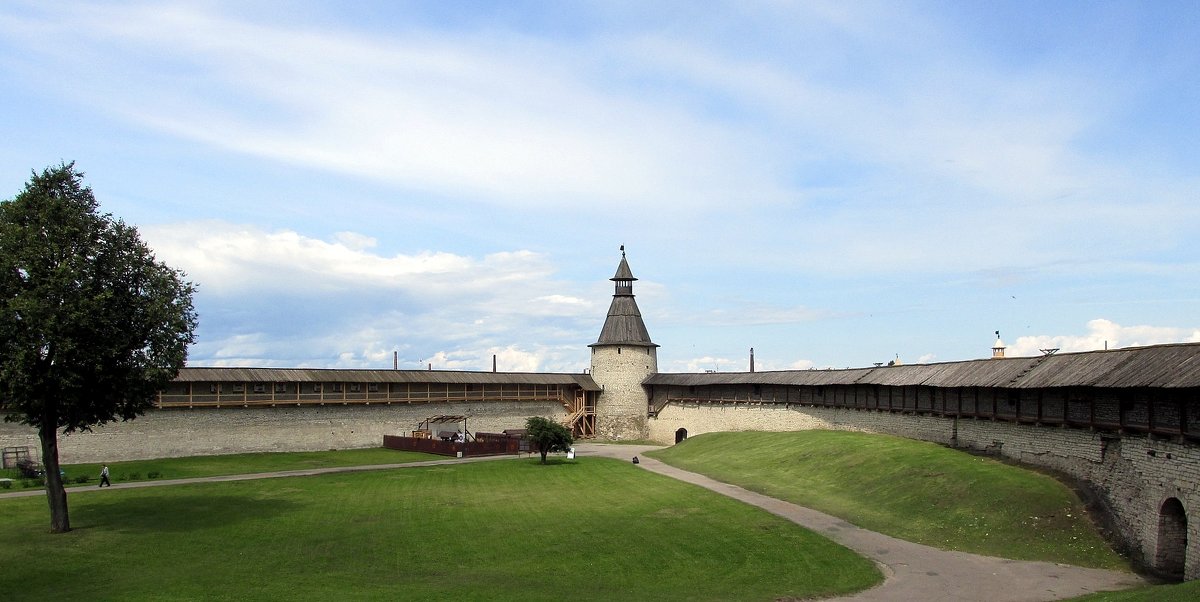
{"x":831,"y":183}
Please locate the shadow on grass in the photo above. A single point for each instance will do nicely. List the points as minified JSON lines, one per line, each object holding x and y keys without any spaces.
{"x":551,"y":461}
{"x":175,"y":513}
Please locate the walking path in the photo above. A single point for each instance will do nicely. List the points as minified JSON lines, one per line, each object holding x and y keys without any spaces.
{"x":912,"y":571}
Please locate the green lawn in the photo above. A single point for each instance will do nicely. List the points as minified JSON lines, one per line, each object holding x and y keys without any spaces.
{"x":1182,"y":592}
{"x":207,"y":466}
{"x":587,"y":529}
{"x":912,"y":490}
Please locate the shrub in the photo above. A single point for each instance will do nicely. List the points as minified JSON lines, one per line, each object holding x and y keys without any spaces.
{"x":154,"y":474}
{"x":82,"y":478}
{"x":134,"y":476}
{"x":5,"y":484}
{"x":38,"y":482}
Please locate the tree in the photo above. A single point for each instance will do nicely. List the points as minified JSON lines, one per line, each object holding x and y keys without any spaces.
{"x":548,"y":436}
{"x":92,"y":327}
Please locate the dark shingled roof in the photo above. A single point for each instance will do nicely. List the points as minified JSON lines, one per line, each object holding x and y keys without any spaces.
{"x":1164,"y":366}
{"x":317,"y":375}
{"x":623,"y":271}
{"x":624,"y":325}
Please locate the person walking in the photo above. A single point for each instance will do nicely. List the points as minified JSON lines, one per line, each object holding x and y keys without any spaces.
{"x":104,"y":476}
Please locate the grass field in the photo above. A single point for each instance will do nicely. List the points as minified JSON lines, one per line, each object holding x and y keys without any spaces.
{"x":588,"y":529}
{"x":1182,"y":592}
{"x":207,"y":466}
{"x":912,"y":490}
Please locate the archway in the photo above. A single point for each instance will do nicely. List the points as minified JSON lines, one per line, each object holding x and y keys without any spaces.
{"x":1171,"y":554}
{"x":680,"y":435}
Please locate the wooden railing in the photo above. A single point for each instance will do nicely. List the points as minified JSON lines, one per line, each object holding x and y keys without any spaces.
{"x":219,"y":400}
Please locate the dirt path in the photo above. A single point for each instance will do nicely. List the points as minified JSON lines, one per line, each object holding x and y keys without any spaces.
{"x":913,"y":571}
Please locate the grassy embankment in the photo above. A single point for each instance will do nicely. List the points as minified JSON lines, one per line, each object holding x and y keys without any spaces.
{"x":588,"y":529}
{"x":908,"y":489}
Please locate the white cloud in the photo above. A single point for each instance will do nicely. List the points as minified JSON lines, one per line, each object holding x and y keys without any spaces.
{"x":1102,"y":334}
{"x":229,"y":259}
{"x":496,"y":116}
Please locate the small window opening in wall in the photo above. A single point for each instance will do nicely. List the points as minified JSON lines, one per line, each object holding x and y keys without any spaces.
{"x":337,"y":387}
{"x":214,"y":388}
{"x":317,"y":388}
{"x":260,"y":388}
{"x":355,"y":387}
{"x":820,"y":391}
{"x":757,"y":390}
{"x":373,"y":388}
{"x":239,"y":388}
{"x":280,"y":388}
{"x":618,"y":351}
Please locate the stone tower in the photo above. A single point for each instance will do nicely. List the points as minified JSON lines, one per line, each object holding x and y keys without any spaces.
{"x":622,"y":358}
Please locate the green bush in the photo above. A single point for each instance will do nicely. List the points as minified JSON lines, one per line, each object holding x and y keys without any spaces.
{"x":29,"y":483}
{"x":82,"y":478}
{"x":154,"y":474}
{"x":134,"y":476}
{"x":5,"y":484}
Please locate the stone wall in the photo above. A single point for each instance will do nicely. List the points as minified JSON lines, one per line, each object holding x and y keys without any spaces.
{"x":184,"y":432}
{"x":621,"y":406}
{"x":1137,"y":477}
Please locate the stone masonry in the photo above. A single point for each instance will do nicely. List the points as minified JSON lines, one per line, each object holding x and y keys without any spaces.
{"x":621,"y":407}
{"x":210,"y":431}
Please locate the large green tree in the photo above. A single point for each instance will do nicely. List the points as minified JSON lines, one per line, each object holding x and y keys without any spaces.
{"x":547,"y":436}
{"x":92,"y":326}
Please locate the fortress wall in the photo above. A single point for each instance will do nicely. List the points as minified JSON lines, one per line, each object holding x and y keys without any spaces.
{"x":207,"y":431}
{"x":1134,"y":475}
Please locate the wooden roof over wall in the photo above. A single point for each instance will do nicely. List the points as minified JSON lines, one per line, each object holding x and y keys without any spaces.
{"x":1162,"y":366}
{"x":324,"y":375}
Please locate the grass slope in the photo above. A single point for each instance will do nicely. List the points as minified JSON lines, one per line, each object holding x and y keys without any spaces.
{"x":912,"y":490}
{"x":589,"y":529}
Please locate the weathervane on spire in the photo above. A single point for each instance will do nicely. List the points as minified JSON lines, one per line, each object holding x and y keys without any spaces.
{"x":622,"y":251}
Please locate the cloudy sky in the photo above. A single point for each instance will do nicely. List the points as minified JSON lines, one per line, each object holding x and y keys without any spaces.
{"x":831,"y":183}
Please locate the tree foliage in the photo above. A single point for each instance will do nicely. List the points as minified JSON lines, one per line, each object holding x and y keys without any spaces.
{"x":92,"y":326}
{"x":547,"y":436}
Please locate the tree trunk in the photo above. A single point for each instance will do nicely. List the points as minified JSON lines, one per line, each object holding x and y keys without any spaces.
{"x":543,"y":452}
{"x":56,"y":494}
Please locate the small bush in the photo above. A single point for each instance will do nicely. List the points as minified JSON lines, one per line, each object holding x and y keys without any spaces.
{"x":5,"y":484}
{"x":134,"y":476}
{"x":29,"y":483}
{"x":154,"y":474}
{"x":82,"y":478}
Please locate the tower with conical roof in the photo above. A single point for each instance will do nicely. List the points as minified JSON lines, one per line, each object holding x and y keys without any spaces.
{"x":622,"y":358}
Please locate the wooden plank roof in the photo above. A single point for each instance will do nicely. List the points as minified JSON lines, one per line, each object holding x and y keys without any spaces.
{"x":317,"y":375}
{"x":1162,"y":366}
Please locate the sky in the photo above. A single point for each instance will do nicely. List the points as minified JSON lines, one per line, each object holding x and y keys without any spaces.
{"x":834,"y":184}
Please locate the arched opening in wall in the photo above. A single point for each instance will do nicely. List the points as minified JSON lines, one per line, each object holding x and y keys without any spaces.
{"x":680,"y":435}
{"x":1171,"y":554}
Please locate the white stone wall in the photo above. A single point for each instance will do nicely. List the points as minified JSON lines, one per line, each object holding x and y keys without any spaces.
{"x":621,"y":406}
{"x":1135,"y":475}
{"x":183,"y":432}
